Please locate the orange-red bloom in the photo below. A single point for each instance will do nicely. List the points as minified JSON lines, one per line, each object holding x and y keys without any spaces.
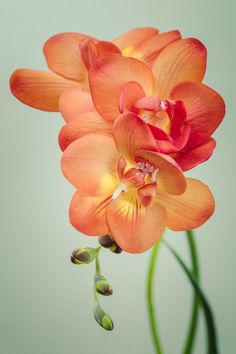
{"x":180,"y":111}
{"x":69,"y":56}
{"x":129,"y":191}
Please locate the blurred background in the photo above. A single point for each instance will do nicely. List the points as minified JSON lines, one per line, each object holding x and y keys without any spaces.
{"x":45,"y":301}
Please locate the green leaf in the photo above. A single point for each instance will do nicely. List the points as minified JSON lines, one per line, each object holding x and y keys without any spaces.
{"x":212,"y":338}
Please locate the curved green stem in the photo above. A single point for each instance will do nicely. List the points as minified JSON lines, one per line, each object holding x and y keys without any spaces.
{"x":188,"y":348}
{"x":150,"y":303}
{"x":209,"y":318}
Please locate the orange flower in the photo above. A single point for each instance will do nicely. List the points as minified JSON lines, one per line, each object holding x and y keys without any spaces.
{"x":130,"y":192}
{"x":180,"y":111}
{"x":69,"y":56}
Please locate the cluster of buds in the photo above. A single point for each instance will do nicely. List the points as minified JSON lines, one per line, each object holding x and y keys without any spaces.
{"x":86,"y":255}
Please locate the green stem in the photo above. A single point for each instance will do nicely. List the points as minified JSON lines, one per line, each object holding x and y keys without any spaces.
{"x":188,"y":348}
{"x":150,"y":303}
{"x":98,"y":267}
{"x":209,"y":318}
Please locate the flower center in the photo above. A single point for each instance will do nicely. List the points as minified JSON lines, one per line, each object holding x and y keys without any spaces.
{"x":143,"y":173}
{"x":154,"y":112}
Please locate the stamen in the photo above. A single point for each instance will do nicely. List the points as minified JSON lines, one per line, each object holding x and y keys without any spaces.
{"x":154,"y":175}
{"x":163,"y":105}
{"x":140,"y":165}
{"x":145,"y":169}
{"x":121,"y":188}
{"x":146,"y":118}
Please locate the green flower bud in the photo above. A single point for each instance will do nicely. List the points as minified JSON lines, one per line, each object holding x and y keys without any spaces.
{"x":108,"y":242}
{"x":116,"y":249}
{"x":83,"y":255}
{"x":102,"y":286}
{"x":103,"y":318}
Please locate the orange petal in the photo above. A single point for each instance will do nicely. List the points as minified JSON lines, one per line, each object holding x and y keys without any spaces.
{"x":147,"y":193}
{"x":121,"y":166}
{"x":134,"y":227}
{"x":134,"y":38}
{"x":86,"y":123}
{"x":88,"y":51}
{"x":151,"y":48}
{"x":205,"y":110}
{"x":170,"y":177}
{"x":183,"y":60}
{"x":107,"y":47}
{"x":130,"y":93}
{"x":73,"y":102}
{"x":91,"y":50}
{"x":150,"y":103}
{"x":189,"y":210}
{"x":39,"y":89}
{"x":63,"y":56}
{"x":90,"y":164}
{"x":88,"y":214}
{"x":191,"y":158}
{"x":132,"y":133}
{"x":107,"y":77}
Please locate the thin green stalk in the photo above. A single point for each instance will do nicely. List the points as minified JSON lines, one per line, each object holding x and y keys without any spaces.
{"x":189,"y":344}
{"x":98,"y":267}
{"x":209,"y":318}
{"x":150,"y":303}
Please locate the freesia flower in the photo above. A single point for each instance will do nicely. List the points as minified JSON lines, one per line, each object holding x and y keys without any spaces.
{"x":69,"y":55}
{"x":126,"y":189}
{"x":181,"y":112}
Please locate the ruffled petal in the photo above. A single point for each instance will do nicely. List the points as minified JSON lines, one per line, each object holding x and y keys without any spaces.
{"x":90,"y":164}
{"x":109,"y":74}
{"x":183,"y":60}
{"x":39,"y":89}
{"x":189,"y":210}
{"x":169,"y":177}
{"x":130,"y":93}
{"x":90,"y":122}
{"x":132,"y":133}
{"x":63,"y":56}
{"x":205,"y":110}
{"x":134,"y":227}
{"x":191,"y":158}
{"x":73,"y":102}
{"x":170,"y":147}
{"x":88,"y":214}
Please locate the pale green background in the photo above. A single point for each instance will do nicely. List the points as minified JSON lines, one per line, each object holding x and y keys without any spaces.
{"x":46,"y":302}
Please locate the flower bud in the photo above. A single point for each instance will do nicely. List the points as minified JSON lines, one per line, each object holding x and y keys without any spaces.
{"x":103,"y":318}
{"x":102,"y":286}
{"x":83,"y":255}
{"x":108,"y":242}
{"x":116,"y":249}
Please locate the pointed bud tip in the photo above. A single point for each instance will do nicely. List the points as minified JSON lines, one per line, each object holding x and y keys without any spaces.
{"x":116,"y":249}
{"x":107,"y":323}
